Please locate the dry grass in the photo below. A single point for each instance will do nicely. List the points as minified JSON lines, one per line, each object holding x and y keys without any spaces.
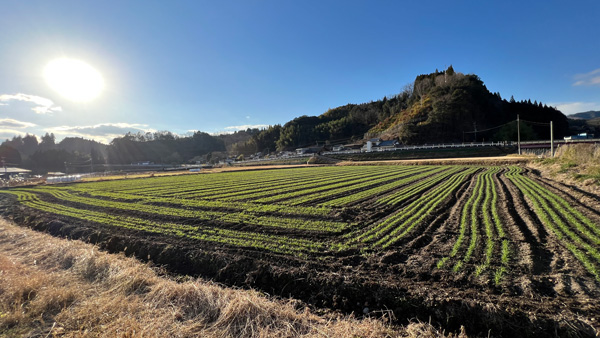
{"x":496,"y":160}
{"x":51,"y":287}
{"x":576,"y":164}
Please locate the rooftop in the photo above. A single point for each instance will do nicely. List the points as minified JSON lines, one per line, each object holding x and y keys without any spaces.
{"x":8,"y":170}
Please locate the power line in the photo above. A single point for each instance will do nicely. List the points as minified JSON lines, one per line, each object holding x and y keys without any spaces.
{"x":484,"y":130}
{"x":537,"y":123}
{"x":502,"y":125}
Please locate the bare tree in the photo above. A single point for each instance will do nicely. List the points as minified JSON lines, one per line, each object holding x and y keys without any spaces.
{"x":421,"y":87}
{"x":409,"y":89}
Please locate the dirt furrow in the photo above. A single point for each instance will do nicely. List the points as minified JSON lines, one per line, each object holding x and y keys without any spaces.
{"x":536,"y":257}
{"x":560,"y":262}
{"x":589,"y":207}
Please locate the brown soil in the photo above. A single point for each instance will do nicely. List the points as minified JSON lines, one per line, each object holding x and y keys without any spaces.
{"x":70,"y":289}
{"x":546,"y":291}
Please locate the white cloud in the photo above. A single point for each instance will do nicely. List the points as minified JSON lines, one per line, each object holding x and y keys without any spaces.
{"x":569,"y":108}
{"x":12,"y":123}
{"x":233,"y":129}
{"x":42,"y":105}
{"x":45,"y":109}
{"x":6,"y":134}
{"x":246,"y":126}
{"x":103,"y":132}
{"x":588,"y":79}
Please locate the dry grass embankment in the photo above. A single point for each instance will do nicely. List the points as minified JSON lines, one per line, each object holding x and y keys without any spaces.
{"x":495,"y":160}
{"x":51,"y":287}
{"x":576,"y":164}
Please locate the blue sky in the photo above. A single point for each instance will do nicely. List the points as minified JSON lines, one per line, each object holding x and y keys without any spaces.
{"x":219,"y":66}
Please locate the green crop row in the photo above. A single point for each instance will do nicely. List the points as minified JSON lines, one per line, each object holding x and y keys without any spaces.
{"x":278,"y":244}
{"x":481,"y":209}
{"x":395,"y":227}
{"x":315,"y":194}
{"x":382,"y":189}
{"x":281,"y":182}
{"x":206,"y":215}
{"x":277,"y":186}
{"x":184,"y":185}
{"x":291,"y":195}
{"x":415,"y":189}
{"x":569,"y":226}
{"x":224,"y":206}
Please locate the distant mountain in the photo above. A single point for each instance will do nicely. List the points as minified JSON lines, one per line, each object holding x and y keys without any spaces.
{"x":594,"y":122}
{"x":588,"y":115}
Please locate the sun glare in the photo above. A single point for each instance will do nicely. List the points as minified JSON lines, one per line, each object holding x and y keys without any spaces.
{"x":74,"y":79}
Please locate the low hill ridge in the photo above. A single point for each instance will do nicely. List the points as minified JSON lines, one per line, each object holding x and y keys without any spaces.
{"x":588,"y":115}
{"x":440,"y":107}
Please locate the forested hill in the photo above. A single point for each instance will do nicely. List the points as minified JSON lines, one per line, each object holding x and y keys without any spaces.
{"x":444,"y":106}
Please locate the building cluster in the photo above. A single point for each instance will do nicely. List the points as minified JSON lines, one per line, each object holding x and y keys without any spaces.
{"x":374,"y":144}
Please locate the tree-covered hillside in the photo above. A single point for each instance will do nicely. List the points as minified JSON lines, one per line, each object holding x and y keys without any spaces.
{"x":439,"y":107}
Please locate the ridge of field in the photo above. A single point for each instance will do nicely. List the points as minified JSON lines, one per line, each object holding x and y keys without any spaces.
{"x":69,"y":288}
{"x":407,"y":238}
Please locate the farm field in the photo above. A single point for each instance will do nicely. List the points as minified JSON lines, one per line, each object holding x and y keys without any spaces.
{"x":490,"y":247}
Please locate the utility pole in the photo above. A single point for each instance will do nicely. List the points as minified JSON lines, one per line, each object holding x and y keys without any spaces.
{"x":551,"y":140}
{"x":4,"y":164}
{"x":518,"y":134}
{"x":92,"y":153}
{"x":475,"y":127}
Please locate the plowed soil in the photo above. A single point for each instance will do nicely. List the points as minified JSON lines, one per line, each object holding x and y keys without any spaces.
{"x":546,"y":292}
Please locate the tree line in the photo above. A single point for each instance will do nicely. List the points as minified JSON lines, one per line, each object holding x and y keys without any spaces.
{"x":76,"y":154}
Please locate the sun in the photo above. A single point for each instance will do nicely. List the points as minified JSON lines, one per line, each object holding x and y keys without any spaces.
{"x":74,"y":79}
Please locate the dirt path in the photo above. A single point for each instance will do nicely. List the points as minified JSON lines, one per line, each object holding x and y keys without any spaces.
{"x":497,"y":160}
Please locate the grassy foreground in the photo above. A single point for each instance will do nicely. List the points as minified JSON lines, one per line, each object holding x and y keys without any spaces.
{"x":51,"y":287}
{"x":576,"y":163}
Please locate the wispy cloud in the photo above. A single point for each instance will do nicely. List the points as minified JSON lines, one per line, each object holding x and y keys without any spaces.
{"x":247,"y":126}
{"x":588,"y":79}
{"x":569,"y":108}
{"x":41,"y":105}
{"x":6,"y":133}
{"x":233,"y":129}
{"x":12,"y":123}
{"x":103,"y":132}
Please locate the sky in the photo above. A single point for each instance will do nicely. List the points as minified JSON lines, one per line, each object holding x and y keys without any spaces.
{"x":221,"y":66}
